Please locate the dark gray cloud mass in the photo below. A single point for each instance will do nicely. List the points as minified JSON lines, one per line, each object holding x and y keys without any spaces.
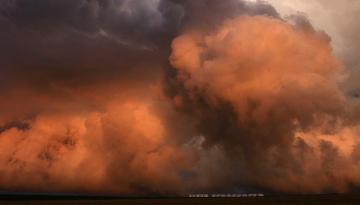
{"x":76,"y":39}
{"x":80,"y":39}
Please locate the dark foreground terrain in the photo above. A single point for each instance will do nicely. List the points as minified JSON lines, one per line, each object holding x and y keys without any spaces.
{"x":268,"y":200}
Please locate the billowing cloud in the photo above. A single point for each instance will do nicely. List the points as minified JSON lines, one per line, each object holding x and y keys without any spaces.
{"x":338,"y":19}
{"x":122,"y":149}
{"x":254,"y":85}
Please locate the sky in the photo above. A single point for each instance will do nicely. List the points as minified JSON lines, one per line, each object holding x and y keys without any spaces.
{"x":338,"y":20}
{"x":173,"y":97}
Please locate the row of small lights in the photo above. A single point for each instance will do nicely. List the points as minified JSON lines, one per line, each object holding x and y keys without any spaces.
{"x":224,"y":195}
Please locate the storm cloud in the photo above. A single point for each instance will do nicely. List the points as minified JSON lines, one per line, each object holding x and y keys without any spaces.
{"x":172,"y":97}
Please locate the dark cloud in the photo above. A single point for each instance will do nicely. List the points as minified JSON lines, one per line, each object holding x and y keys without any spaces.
{"x":77,"y":41}
{"x":217,"y":11}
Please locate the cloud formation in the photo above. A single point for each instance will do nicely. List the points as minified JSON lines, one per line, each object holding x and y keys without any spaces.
{"x":255,"y":86}
{"x":171,"y":97}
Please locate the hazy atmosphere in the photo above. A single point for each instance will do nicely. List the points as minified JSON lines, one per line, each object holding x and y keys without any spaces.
{"x":172,"y":97}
